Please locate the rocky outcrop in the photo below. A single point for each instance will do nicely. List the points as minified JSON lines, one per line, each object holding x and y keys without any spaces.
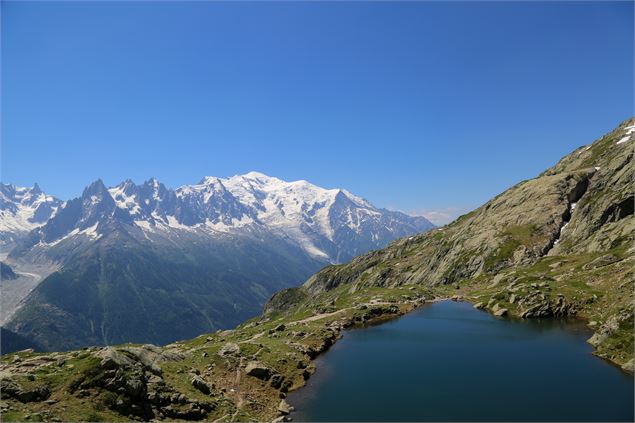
{"x":537,"y":306}
{"x":258,"y":370}
{"x":12,"y":389}
{"x":134,"y":378}
{"x":612,"y":325}
{"x":201,"y":385}
{"x":284,"y":407}
{"x":229,"y":349}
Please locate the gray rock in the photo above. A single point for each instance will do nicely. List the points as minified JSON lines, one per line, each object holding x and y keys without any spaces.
{"x":500,"y":312}
{"x":228,"y":349}
{"x":284,"y":407}
{"x":201,"y":385}
{"x":258,"y":370}
{"x":12,"y":389}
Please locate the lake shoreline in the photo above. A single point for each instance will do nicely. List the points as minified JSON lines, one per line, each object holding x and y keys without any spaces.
{"x":378,"y":322}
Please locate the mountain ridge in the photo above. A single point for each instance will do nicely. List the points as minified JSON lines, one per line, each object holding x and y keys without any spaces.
{"x":297,"y":209}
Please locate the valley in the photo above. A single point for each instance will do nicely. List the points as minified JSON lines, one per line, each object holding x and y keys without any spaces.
{"x":526,"y":254}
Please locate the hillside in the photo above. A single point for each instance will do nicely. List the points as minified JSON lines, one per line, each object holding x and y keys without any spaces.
{"x":556,"y":246}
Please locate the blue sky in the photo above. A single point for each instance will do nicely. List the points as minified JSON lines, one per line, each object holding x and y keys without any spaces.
{"x":422,"y":107}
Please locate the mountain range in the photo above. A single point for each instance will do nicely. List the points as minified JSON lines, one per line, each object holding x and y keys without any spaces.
{"x":146,"y":263}
{"x":559,"y":245}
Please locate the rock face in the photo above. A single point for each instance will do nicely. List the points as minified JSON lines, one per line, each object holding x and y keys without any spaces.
{"x":6,"y":272}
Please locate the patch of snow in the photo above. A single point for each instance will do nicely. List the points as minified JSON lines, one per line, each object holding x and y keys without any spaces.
{"x":26,"y":203}
{"x":235,"y":223}
{"x":144,"y":224}
{"x":623,"y":140}
{"x":91,"y":232}
{"x":123,"y":201}
{"x":69,"y":235}
{"x":174,"y":223}
{"x":630,"y":129}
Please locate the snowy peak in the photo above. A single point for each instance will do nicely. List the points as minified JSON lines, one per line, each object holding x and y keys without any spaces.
{"x":329,"y":224}
{"x":96,"y":193}
{"x":23,"y":209}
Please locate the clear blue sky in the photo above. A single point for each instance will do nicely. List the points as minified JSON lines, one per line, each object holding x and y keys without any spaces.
{"x":414,"y":106}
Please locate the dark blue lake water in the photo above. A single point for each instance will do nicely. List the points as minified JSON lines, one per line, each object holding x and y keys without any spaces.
{"x":449,"y":362}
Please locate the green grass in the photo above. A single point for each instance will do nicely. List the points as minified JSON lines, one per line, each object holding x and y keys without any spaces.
{"x":513,"y":237}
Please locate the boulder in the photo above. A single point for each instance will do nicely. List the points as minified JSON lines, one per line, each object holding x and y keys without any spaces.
{"x":201,"y":385}
{"x":500,"y":312}
{"x":284,"y":407}
{"x":11,"y":389}
{"x":112,"y":359}
{"x":258,"y":370}
{"x":228,"y":349}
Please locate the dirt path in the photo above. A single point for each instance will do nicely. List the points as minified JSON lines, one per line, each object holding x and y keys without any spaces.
{"x":253,"y":338}
{"x":317,"y":317}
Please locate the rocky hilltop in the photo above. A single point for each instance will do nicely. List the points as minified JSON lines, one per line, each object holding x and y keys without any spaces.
{"x":555,"y":246}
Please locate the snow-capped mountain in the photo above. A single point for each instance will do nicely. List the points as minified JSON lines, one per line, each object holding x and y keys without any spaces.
{"x":147,"y":263}
{"x":23,"y":209}
{"x":329,"y":224}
